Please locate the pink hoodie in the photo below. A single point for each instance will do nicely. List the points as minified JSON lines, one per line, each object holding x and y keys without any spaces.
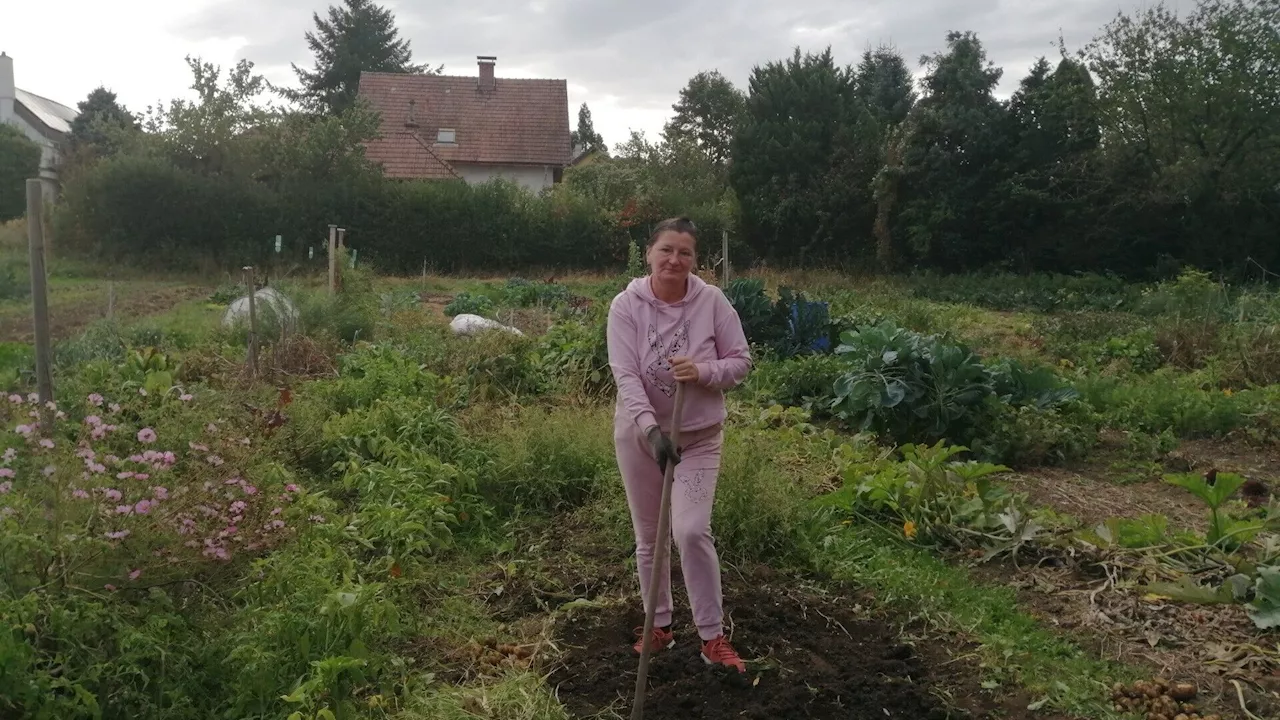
{"x":644,"y":332}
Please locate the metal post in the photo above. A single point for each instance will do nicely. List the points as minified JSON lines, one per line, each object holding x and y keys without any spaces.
{"x":39,"y":298}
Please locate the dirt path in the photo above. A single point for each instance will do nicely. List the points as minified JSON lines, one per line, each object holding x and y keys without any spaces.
{"x":66,"y":319}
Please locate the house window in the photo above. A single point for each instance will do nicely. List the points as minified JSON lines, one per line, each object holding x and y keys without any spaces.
{"x":446,"y":136}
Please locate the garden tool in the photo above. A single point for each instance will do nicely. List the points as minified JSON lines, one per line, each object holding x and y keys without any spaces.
{"x":662,"y":550}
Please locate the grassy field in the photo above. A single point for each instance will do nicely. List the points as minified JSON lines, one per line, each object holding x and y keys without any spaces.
{"x":988,"y":497}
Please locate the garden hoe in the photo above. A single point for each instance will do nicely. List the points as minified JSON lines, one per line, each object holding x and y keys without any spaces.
{"x":662,"y":550}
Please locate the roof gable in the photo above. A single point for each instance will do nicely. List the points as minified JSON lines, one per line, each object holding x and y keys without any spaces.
{"x":517,"y":122}
{"x":54,"y":115}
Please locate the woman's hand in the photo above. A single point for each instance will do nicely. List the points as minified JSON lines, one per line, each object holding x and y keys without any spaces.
{"x":683,"y":369}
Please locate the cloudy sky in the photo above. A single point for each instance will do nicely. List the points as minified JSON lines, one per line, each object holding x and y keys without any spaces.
{"x":627,"y":60}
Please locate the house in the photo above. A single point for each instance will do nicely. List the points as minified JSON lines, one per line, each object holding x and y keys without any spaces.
{"x":469,"y":128}
{"x":46,"y":122}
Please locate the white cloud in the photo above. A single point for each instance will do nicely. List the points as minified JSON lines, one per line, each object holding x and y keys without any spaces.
{"x":628,"y":61}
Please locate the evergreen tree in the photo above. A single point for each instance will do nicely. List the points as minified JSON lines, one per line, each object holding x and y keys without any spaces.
{"x":799,"y":123}
{"x":586,"y":136}
{"x":885,"y":85}
{"x":954,"y":158}
{"x":357,"y":37}
{"x":102,"y":123}
{"x":707,"y":114}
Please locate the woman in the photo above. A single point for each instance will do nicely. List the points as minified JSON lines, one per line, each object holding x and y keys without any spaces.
{"x":666,"y":328}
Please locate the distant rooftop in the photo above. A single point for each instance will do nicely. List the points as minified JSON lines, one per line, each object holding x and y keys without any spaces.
{"x":53,"y":114}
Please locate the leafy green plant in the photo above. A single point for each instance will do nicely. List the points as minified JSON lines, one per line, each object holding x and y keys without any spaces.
{"x":519,"y":292}
{"x":575,"y":353}
{"x":908,"y":386}
{"x":15,"y":280}
{"x":466,"y":303}
{"x":1214,"y":490}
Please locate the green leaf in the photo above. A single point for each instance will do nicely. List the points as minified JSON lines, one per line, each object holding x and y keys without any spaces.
{"x":325,"y":714}
{"x":1186,"y":590}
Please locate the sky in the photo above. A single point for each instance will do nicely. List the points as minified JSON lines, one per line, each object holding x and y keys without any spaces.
{"x":626,"y":60}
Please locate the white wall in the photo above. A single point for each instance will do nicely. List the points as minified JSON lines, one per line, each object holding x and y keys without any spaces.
{"x":532,"y":178}
{"x":8,"y":114}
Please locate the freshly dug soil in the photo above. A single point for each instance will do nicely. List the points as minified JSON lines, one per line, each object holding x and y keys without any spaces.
{"x":807,"y":655}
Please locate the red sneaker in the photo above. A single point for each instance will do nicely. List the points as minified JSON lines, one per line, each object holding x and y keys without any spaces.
{"x":720,"y":652}
{"x":661,"y":640}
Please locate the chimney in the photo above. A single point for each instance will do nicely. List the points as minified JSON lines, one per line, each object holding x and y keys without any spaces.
{"x":486,"y":63}
{"x":7,"y":90}
{"x":411,"y":122}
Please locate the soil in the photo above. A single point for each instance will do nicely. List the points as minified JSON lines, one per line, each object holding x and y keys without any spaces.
{"x":1208,"y":645}
{"x":1094,"y":492}
{"x":807,"y":656}
{"x":65,"y":320}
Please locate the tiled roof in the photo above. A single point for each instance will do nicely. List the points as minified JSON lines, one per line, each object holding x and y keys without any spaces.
{"x":517,"y":122}
{"x":404,"y":155}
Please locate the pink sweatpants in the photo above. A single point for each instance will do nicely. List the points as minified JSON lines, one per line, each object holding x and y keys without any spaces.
{"x":691,"y":499}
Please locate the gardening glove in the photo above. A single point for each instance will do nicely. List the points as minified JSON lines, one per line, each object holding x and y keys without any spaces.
{"x":662,"y":448}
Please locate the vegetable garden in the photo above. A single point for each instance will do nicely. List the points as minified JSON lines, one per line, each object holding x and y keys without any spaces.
{"x":997,"y":496}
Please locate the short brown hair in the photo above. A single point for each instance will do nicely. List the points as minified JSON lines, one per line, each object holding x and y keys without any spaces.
{"x":680,"y":224}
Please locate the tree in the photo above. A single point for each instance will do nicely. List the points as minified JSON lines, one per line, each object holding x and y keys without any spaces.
{"x":954,"y":158}
{"x":802,"y":121}
{"x":707,"y":114}
{"x":884,"y":83}
{"x":586,"y":136}
{"x":19,"y":161}
{"x":102,"y":123}
{"x":358,"y":37}
{"x":1191,"y":120}
{"x":206,"y":134}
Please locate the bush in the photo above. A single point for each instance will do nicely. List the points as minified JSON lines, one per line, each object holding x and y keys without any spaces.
{"x":519,"y":292}
{"x":803,"y":382}
{"x":788,"y":327}
{"x":15,"y":280}
{"x":1030,"y":436}
{"x":1042,"y":292}
{"x":464,"y":303}
{"x":575,"y":354}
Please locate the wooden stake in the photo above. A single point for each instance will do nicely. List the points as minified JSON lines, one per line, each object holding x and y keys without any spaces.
{"x":39,"y":299}
{"x":253,"y":322}
{"x":333,"y":259}
{"x":111,"y":299}
{"x":724,"y":257}
{"x":661,"y":551}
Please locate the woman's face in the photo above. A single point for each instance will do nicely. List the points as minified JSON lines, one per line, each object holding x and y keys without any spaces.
{"x":672,"y":256}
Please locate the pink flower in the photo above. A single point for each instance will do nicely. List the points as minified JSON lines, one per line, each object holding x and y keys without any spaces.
{"x":15,"y":399}
{"x":6,"y":473}
{"x":124,"y":475}
{"x":115,"y":407}
{"x":99,"y":432}
{"x":198,"y":447}
{"x":291,"y":488}
{"x":79,"y":494}
{"x":233,"y":481}
{"x":211,"y":428}
{"x":93,"y":420}
{"x":170,"y":458}
{"x":143,"y":507}
{"x":10,"y":454}
{"x":141,"y":476}
{"x":250,"y":490}
{"x":5,"y":487}
{"x":49,"y":470}
{"x":51,"y":406}
{"x":186,"y":397}
{"x":135,"y":574}
{"x":24,"y":430}
{"x":124,"y":509}
{"x":98,"y":468}
{"x":276,"y":511}
{"x":46,"y":443}
{"x":161,"y":493}
{"x":112,"y":494}
{"x":95,"y":399}
{"x":146,"y":435}
{"x":277,"y":524}
{"x":109,"y":587}
{"x":316,"y":518}
{"x":214,"y":460}
{"x":237,"y":506}
{"x":33,"y":398}
{"x":135,"y":458}
{"x":244,"y":441}
{"x":118,"y":535}
{"x":60,"y":415}
{"x":111,"y":460}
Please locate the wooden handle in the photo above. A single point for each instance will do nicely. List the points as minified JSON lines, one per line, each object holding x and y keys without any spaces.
{"x":662,"y":548}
